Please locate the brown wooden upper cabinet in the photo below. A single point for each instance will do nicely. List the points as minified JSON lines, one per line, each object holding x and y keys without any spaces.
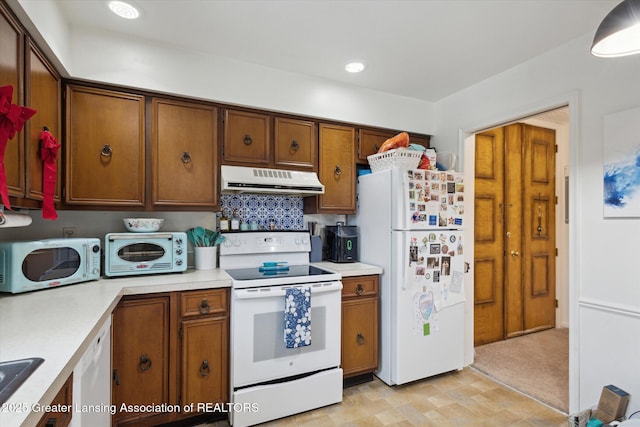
{"x":43,"y":94}
{"x":184,"y":154}
{"x":337,"y":171}
{"x":295,"y":144}
{"x":263,"y":140}
{"x":247,"y":138}
{"x":11,"y":74}
{"x":36,"y":84}
{"x":369,"y":142}
{"x":105,"y":148}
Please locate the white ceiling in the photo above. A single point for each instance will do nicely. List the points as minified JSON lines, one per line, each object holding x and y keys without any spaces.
{"x":424,"y":49}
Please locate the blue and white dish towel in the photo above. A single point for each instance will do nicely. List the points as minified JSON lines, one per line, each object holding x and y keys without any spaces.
{"x":297,"y":317}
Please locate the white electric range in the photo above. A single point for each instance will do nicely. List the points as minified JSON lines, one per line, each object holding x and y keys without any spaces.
{"x":268,"y":380}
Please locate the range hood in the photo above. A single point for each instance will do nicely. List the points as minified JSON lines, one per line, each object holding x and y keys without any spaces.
{"x":240,"y":179}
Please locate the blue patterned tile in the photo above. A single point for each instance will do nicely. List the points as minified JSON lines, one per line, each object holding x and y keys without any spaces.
{"x":287,"y":211}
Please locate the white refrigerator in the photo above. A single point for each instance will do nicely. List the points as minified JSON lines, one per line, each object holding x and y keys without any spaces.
{"x":410,"y":224}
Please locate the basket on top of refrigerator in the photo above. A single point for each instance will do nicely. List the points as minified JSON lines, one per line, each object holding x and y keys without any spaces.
{"x":397,"y":152}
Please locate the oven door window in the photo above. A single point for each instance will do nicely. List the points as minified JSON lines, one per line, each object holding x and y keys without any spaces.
{"x":141,"y":252}
{"x":43,"y":265}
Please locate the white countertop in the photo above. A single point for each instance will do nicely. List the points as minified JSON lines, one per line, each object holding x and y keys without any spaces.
{"x":59,"y":324}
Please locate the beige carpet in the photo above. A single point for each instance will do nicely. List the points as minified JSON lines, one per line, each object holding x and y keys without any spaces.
{"x":536,"y":364}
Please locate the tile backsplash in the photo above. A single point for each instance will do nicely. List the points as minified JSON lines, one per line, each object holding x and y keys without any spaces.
{"x":286,"y":211}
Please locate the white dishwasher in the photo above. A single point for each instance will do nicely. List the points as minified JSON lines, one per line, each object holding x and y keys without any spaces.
{"x":92,"y":382}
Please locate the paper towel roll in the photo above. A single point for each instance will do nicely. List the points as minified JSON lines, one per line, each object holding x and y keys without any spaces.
{"x":8,"y":219}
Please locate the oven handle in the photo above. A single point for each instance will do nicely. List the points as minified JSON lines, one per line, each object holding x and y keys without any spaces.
{"x":279,"y":291}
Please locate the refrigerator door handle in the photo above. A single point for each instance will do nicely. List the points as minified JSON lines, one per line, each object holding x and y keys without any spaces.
{"x":404,"y":262}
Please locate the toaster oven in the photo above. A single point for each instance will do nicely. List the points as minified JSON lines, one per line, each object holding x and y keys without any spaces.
{"x":127,"y":254}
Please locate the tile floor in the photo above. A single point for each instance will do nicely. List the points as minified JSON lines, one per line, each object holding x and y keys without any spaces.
{"x":465,"y":398}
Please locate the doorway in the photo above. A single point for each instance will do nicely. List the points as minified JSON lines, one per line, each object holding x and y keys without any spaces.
{"x":514,"y":226}
{"x":558,"y":120}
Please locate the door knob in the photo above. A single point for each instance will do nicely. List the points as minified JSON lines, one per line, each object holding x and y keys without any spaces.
{"x":515,"y":253}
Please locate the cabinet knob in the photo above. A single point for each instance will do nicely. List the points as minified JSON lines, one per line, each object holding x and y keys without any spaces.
{"x":515,"y":253}
{"x":186,"y":158}
{"x":116,"y":378}
{"x":294,"y":145}
{"x":145,"y":363}
{"x":360,"y":338}
{"x":337,"y":171}
{"x":360,"y":290}
{"x":204,"y":307}
{"x":106,"y":151}
{"x":247,"y":139}
{"x":204,"y":369}
{"x":51,"y":422}
{"x":376,"y":148}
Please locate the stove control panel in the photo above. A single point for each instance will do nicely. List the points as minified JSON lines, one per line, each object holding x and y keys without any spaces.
{"x":265,"y":242}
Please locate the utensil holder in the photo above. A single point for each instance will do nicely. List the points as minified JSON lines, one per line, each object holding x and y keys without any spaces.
{"x":206,"y":257}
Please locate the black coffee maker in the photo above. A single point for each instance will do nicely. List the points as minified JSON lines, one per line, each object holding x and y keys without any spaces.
{"x":341,"y":243}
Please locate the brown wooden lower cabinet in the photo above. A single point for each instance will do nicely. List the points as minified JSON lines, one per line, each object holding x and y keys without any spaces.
{"x":62,"y":400}
{"x":359,"y":325}
{"x":169,"y":350}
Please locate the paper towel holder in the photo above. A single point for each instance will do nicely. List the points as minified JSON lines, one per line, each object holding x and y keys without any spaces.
{"x":4,"y":219}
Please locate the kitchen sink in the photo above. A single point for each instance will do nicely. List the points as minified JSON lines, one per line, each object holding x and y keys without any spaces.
{"x":13,"y":373}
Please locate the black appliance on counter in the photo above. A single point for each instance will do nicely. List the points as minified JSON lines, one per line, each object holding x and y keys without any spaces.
{"x":341,"y":243}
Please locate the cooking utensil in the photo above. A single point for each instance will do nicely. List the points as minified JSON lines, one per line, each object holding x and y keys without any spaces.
{"x":199,"y":234}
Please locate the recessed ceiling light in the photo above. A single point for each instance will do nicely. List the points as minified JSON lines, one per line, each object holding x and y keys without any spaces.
{"x":123,"y":9}
{"x":354,"y":67}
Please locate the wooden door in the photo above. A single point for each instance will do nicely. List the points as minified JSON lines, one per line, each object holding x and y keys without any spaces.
{"x":43,"y":95}
{"x":247,"y":138}
{"x":296,"y":144}
{"x":489,"y":231}
{"x":184,"y":154}
{"x":140,"y":357}
{"x":539,"y":233}
{"x":11,"y":74}
{"x":514,"y":259}
{"x":105,"y":148}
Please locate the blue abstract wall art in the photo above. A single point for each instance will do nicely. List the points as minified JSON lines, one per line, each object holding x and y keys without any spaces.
{"x":622,"y":164}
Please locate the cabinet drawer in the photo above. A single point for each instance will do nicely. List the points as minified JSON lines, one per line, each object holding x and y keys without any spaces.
{"x":200,"y":303}
{"x":359,"y":286}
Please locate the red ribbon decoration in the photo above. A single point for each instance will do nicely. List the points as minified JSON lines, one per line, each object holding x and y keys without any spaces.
{"x":12,"y":118}
{"x":48,"y":153}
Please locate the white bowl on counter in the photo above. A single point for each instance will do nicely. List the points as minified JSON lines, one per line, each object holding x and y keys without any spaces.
{"x":143,"y":225}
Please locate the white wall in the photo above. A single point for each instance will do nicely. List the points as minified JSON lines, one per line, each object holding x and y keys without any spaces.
{"x":604,"y":284}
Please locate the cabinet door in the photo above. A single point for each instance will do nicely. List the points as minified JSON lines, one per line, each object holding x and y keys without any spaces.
{"x":423,"y":140}
{"x":42,"y":94}
{"x":11,"y":72}
{"x":204,"y":360}
{"x":247,"y":138}
{"x":62,"y":401}
{"x":140,"y":358}
{"x":359,"y":336}
{"x":337,"y":169}
{"x":369,"y":142}
{"x":184,"y":150}
{"x":295,"y":144}
{"x":105,"y":148}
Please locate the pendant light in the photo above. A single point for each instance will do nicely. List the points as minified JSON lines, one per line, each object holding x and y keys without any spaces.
{"x":619,"y":32}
